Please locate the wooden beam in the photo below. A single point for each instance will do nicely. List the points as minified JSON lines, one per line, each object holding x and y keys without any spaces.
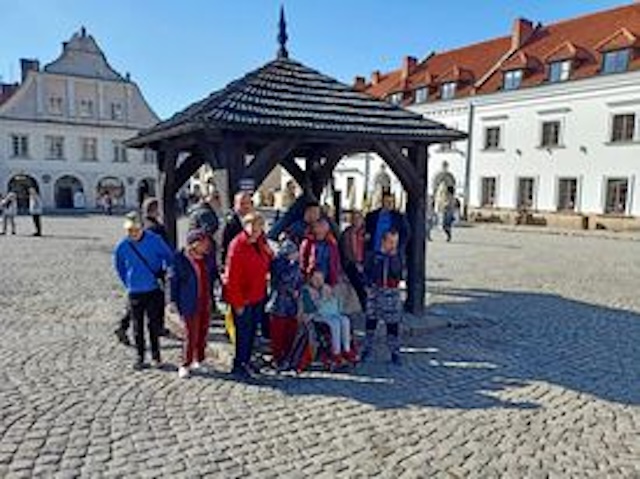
{"x":400,"y":165}
{"x":232,"y":157}
{"x":268,"y":158}
{"x":167,"y":189}
{"x":187,"y":168}
{"x":417,"y":247}
{"x":295,"y":171}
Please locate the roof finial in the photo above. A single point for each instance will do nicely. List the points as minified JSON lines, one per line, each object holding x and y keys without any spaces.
{"x":282,"y":35}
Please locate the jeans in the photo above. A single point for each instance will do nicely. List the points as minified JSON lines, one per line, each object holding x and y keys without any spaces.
{"x":6,"y":221}
{"x":340,"y":327}
{"x":246,"y":324}
{"x":151,"y":305}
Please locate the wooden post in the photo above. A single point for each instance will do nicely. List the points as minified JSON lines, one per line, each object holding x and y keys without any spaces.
{"x":167,"y":189}
{"x":417,"y":247}
{"x":232,"y":154}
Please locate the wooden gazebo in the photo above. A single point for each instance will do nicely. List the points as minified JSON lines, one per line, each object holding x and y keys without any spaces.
{"x":286,"y":111}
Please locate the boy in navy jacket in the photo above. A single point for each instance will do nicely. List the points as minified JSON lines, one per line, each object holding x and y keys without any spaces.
{"x":383,"y":271}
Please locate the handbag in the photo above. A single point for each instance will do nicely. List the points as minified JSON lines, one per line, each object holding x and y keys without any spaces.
{"x":158,"y":275}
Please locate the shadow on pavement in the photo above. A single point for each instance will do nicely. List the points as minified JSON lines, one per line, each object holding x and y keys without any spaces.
{"x":517,"y":339}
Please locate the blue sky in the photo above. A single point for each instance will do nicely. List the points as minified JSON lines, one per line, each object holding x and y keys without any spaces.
{"x":179,"y":51}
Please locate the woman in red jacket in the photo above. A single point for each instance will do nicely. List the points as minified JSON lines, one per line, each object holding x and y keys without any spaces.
{"x":247,"y":268}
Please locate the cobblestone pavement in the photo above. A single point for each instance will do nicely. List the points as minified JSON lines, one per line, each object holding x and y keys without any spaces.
{"x":543,"y":382}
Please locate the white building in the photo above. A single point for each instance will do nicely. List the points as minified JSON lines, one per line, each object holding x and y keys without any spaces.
{"x":553,"y":113}
{"x":62,"y":128}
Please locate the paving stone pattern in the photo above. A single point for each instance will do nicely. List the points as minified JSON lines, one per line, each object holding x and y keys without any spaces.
{"x":543,"y":380}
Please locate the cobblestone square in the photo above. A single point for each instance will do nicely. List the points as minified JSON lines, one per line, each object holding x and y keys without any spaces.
{"x":541,"y":379}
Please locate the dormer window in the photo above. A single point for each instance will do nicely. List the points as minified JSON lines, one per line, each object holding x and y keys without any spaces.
{"x":422,"y":94}
{"x":395,"y":98}
{"x":512,"y":79}
{"x":559,"y":71}
{"x":116,"y":111}
{"x":616,"y":61}
{"x":86,"y":108}
{"x":448,"y":90}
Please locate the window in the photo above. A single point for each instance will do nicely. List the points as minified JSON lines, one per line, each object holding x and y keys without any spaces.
{"x":526,"y":187}
{"x":559,"y":71}
{"x":550,"y":134}
{"x":86,"y":108}
{"x":488,"y":194}
{"x":19,"y":146}
{"x":119,"y":152}
{"x":89,"y":149}
{"x":448,"y":90}
{"x":395,"y":98}
{"x":567,"y":194}
{"x":55,"y":147}
{"x":148,"y":156}
{"x":617,"y":190}
{"x":55,"y":105}
{"x":623,"y":128}
{"x":116,"y":111}
{"x":512,"y":80}
{"x":616,"y":61}
{"x":492,"y":138}
{"x":422,"y":95}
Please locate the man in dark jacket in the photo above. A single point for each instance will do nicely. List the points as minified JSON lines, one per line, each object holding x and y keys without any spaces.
{"x":385,"y":219}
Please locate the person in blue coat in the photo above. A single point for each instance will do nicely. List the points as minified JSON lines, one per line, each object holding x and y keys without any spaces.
{"x":191,"y":284}
{"x":141,"y":260}
{"x":383,"y":220}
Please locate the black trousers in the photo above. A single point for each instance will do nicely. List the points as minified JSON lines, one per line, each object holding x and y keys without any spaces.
{"x":37,"y":223}
{"x":151,"y":306}
{"x":246,"y":325}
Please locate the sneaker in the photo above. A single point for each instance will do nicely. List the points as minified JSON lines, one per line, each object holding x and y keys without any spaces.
{"x":196,"y":365}
{"x":156,"y":364}
{"x":122,"y":336}
{"x":139,"y":366}
{"x":350,"y":357}
{"x":396,"y":360}
{"x":241,"y":374}
{"x":183,"y":372}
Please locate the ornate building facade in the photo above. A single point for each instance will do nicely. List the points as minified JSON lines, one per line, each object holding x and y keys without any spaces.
{"x":62,"y":128}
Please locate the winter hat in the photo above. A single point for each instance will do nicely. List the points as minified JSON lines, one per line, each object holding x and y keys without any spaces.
{"x":287,"y":248}
{"x":132,"y":221}
{"x":195,"y":235}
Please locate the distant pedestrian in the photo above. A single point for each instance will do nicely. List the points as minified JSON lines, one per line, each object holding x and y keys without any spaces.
{"x":141,"y":260}
{"x":191,"y":281}
{"x":247,"y":268}
{"x":449,"y":213}
{"x":35,"y":210}
{"x":9,"y":207}
{"x":384,"y":272}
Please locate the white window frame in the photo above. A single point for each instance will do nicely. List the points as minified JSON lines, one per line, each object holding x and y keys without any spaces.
{"x":495,"y":192}
{"x":565,"y":73}
{"x":86,"y":108}
{"x":612,"y":117}
{"x":83,"y":148}
{"x":56,"y":105}
{"x":419,"y":92}
{"x":615,"y":52}
{"x":120,"y":154}
{"x":23,"y":152}
{"x":501,"y":130}
{"x":511,"y":74}
{"x":50,"y":143}
{"x":605,"y":193}
{"x":557,"y":195}
{"x":561,"y":134}
{"x":396,"y":98}
{"x":448,"y":90}
{"x":117,"y":110}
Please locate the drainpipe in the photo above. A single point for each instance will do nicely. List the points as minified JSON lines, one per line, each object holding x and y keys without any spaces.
{"x":467,"y":172}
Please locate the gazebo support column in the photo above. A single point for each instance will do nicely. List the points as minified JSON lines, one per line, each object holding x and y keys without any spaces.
{"x":167,"y":165}
{"x":417,"y":247}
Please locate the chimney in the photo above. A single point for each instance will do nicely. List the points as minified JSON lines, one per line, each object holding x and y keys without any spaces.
{"x":522,"y":31}
{"x":408,"y":66}
{"x":27,"y":65}
{"x":359,"y":83}
{"x":376,"y":77}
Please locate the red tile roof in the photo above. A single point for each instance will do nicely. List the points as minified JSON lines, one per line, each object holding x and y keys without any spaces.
{"x":583,"y":39}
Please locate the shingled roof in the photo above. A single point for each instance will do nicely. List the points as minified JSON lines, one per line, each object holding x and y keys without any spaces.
{"x":285,"y":96}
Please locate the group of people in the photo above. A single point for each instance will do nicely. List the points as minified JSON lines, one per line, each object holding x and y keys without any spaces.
{"x":294,"y":290}
{"x":9,"y":211}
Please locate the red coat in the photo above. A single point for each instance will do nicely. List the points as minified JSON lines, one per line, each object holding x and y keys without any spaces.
{"x":308,"y":259}
{"x":247,"y":269}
